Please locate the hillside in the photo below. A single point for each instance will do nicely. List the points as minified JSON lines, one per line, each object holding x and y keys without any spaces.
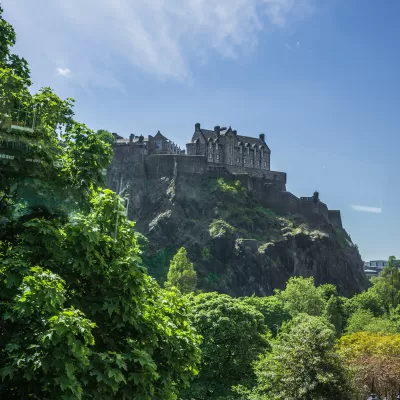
{"x":238,"y":247}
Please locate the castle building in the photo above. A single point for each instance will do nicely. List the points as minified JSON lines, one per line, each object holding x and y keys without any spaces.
{"x":157,"y":144}
{"x":238,"y":153}
{"x":225,"y":146}
{"x":220,"y":152}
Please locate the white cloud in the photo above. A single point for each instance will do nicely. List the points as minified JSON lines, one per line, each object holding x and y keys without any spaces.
{"x":163,"y":38}
{"x":375,"y":210}
{"x":63,"y":71}
{"x":298,"y":44}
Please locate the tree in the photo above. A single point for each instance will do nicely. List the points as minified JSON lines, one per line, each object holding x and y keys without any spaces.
{"x":301,"y":296}
{"x":80,"y":318}
{"x":334,"y":313}
{"x":327,"y":290}
{"x":387,"y":286}
{"x":302,"y":364}
{"x":181,"y":273}
{"x":234,"y":334}
{"x":273,"y":310}
{"x":372,"y":357}
{"x":365,"y":321}
{"x":370,"y":300}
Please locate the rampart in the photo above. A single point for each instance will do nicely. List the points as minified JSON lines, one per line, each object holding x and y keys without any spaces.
{"x":269,"y":188}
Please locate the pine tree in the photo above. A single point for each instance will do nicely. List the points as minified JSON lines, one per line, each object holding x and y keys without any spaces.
{"x":181,"y":273}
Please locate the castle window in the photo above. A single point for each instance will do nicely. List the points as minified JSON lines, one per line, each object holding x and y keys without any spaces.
{"x":216,"y":146}
{"x":210,"y":155}
{"x":217,"y":156}
{"x":265,"y":165}
{"x":258,"y":163}
{"x":238,"y":160}
{"x":251,"y":161}
{"x":248,"y":150}
{"x":262,"y":152}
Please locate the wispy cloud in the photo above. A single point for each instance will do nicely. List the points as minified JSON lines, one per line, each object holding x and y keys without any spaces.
{"x":163,"y":38}
{"x":292,"y":48}
{"x":63,"y":71}
{"x":374,"y":210}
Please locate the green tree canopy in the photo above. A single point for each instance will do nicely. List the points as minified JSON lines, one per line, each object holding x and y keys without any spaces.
{"x":365,"y":321}
{"x":181,"y":273}
{"x":301,"y":296}
{"x":302,"y":364}
{"x":234,"y":334}
{"x":387,"y":285}
{"x":80,"y":318}
{"x":272,"y":308}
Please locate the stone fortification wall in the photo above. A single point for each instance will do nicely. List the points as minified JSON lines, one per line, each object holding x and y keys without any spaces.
{"x":278,"y":179}
{"x":171,"y":164}
{"x":269,"y":188}
{"x":280,"y":201}
{"x":335,"y":218}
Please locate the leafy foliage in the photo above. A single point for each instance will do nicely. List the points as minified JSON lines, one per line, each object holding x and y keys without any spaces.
{"x":301,"y":296}
{"x":365,"y":321}
{"x":302,"y":364}
{"x":273,"y":310}
{"x":142,"y":346}
{"x":387,"y":286}
{"x":372,"y":357}
{"x":220,"y":228}
{"x":80,"y":318}
{"x":234,"y":334}
{"x":181,"y":273}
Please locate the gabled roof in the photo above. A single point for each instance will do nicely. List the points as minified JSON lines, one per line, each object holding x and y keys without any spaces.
{"x":207,"y":134}
{"x":250,"y":141}
{"x":159,"y":135}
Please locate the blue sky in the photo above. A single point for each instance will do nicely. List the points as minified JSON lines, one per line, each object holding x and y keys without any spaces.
{"x":319,"y":78}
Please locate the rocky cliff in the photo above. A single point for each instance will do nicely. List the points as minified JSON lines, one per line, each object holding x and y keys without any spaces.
{"x":237,"y":246}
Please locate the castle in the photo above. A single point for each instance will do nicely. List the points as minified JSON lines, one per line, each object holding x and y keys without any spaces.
{"x":220,"y":152}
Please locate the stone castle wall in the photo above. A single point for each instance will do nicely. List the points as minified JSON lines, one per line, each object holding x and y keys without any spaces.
{"x":269,"y":188}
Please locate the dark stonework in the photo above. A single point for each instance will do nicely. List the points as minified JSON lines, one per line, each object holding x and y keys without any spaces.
{"x":217,"y":152}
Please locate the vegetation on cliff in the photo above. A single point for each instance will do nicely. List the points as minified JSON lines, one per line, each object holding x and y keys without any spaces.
{"x":238,"y":246}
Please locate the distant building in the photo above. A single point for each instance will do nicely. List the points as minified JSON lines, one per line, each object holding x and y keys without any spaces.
{"x":157,"y":144}
{"x":375,"y":267}
{"x":224,"y":147}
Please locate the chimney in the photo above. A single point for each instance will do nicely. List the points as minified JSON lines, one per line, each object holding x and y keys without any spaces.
{"x":141,"y":138}
{"x":235,"y":132}
{"x":131,"y":137}
{"x":197,"y":126}
{"x":217,"y":130}
{"x":262,"y":137}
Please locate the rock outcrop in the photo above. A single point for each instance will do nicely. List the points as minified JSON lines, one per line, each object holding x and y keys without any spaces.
{"x":237,"y":246}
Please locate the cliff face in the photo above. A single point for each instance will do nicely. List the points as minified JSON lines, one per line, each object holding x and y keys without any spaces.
{"x":237,"y":246}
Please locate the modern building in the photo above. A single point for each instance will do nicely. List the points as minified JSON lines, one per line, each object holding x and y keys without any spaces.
{"x":375,"y":267}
